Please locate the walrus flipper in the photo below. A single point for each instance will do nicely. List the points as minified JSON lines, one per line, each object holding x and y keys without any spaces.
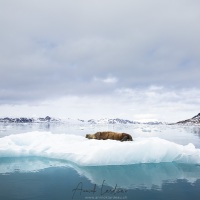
{"x":125,"y":138}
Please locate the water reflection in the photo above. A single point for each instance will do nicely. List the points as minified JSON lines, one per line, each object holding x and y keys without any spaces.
{"x":141,"y":176}
{"x":146,"y":176}
{"x":196,"y":130}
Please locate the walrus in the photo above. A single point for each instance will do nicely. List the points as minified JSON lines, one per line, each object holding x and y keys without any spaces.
{"x":110,"y":135}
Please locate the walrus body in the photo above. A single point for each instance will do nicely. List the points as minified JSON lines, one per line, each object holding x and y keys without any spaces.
{"x":110,"y":135}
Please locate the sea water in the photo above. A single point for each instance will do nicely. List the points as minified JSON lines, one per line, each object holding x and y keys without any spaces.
{"x":56,"y":161}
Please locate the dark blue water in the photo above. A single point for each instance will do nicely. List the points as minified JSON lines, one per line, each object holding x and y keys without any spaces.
{"x":68,"y":181}
{"x":37,"y":178}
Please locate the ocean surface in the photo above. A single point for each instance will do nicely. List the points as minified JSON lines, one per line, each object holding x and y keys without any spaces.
{"x":55,"y":161}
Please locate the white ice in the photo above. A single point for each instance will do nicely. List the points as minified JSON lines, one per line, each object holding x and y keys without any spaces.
{"x":85,"y":152}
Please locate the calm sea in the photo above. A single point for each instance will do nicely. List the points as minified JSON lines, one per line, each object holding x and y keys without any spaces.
{"x":42,"y":178}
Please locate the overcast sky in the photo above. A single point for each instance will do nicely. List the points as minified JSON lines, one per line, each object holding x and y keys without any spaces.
{"x":133,"y":59}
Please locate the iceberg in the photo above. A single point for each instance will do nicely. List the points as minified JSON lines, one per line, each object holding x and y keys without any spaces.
{"x":84,"y":152}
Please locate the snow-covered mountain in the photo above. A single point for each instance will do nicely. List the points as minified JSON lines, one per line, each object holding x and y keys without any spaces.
{"x":120,"y":121}
{"x":111,"y":121}
{"x":28,"y":120}
{"x":48,"y":119}
{"x":193,"y":120}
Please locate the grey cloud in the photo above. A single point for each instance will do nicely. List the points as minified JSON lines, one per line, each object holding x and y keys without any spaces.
{"x":51,"y":49}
